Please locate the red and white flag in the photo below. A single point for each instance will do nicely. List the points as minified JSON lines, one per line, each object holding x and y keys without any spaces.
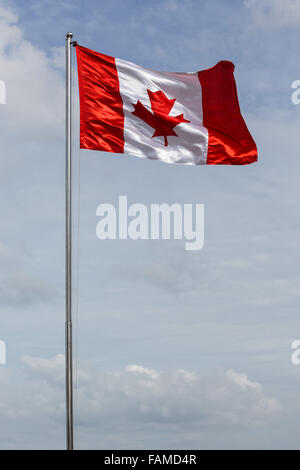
{"x":189,"y":118}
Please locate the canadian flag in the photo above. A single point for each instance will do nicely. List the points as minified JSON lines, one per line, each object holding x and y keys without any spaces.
{"x":189,"y":118}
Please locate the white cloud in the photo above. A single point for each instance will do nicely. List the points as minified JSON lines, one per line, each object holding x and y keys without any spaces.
{"x":34,"y":90}
{"x":51,"y":369}
{"x":32,"y":126}
{"x":242,"y":380}
{"x":18,"y":287}
{"x":7,"y":15}
{"x":142,"y":370}
{"x":177,"y":402}
{"x":275,"y":13}
{"x":21,"y":289}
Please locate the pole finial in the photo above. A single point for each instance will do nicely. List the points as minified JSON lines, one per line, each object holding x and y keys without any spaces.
{"x":69,"y":35}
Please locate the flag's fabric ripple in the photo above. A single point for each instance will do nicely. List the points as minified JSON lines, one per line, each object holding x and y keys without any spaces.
{"x":189,"y":118}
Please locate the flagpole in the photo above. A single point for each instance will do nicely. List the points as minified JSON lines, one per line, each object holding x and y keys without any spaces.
{"x":68,"y":326}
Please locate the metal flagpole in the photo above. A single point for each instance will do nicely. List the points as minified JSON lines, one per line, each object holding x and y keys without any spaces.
{"x":69,"y":363}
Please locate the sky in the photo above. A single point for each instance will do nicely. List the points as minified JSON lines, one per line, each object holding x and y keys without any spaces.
{"x":173,"y":349}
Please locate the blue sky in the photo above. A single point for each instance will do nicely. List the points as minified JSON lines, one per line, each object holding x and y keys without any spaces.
{"x":175,"y":349}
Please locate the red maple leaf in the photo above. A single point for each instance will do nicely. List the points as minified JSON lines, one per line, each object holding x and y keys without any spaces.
{"x":160,"y":120}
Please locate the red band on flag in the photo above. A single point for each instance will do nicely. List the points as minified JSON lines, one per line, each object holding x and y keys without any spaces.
{"x":229,"y":141}
{"x":101,"y":106}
